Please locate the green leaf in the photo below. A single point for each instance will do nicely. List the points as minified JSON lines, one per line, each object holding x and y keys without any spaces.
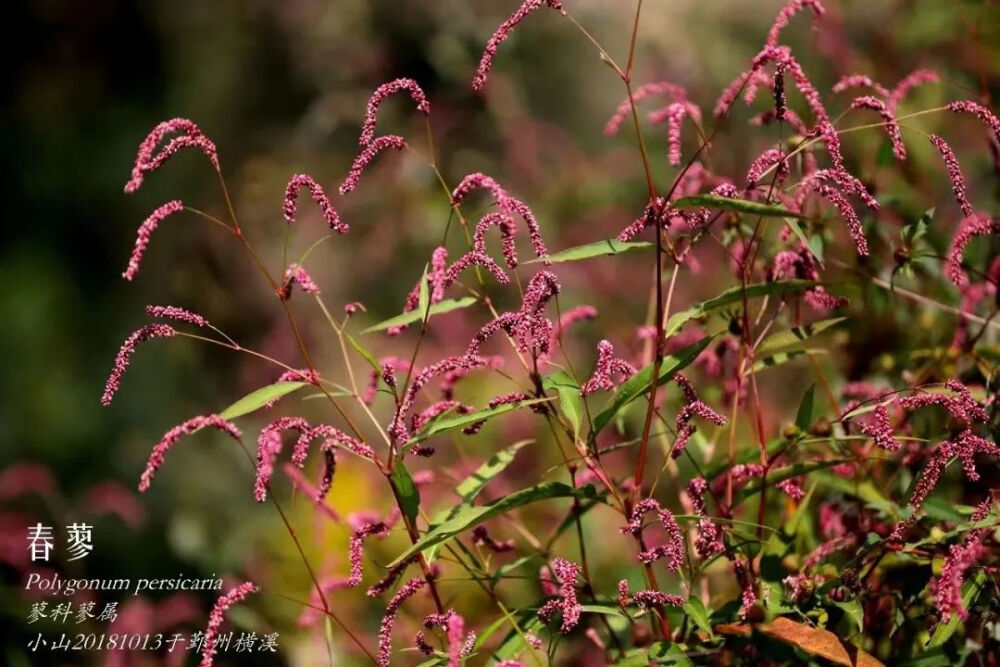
{"x":852,"y":610}
{"x":695,"y":610}
{"x":796,"y":335}
{"x":412,"y":316}
{"x":780,"y":358}
{"x":470,"y":488}
{"x":731,"y":296}
{"x":738,"y":206}
{"x":801,"y":236}
{"x":469,"y":517}
{"x":970,"y":589}
{"x":657,"y":653}
{"x":642,"y":382}
{"x":424,"y":295}
{"x":409,"y":496}
{"x":473,"y":485}
{"x":363,"y":351}
{"x":256,"y":399}
{"x":804,"y":415}
{"x":595,"y":249}
{"x":570,"y":402}
{"x":513,"y":644}
{"x":439,"y":426}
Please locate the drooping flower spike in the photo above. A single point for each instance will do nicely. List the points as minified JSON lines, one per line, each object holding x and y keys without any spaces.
{"x":503,"y":32}
{"x":178,"y":314}
{"x":978,"y":224}
{"x":709,"y":541}
{"x":676,"y":93}
{"x":171,"y":437}
{"x":792,"y":8}
{"x":980,"y":112}
{"x":528,"y":326}
{"x":363,"y":527}
{"x":907,"y":83}
{"x":191,"y":136}
{"x":290,"y":205}
{"x":772,"y":157}
{"x":507,"y":205}
{"x":405,"y":592}
{"x":217,"y":616}
{"x":398,"y":428}
{"x":380,"y":94}
{"x":954,"y":173}
{"x":268,"y":448}
{"x":672,"y":549}
{"x":674,"y":114}
{"x":367,"y":154}
{"x":146,"y":230}
{"x":124,"y":356}
{"x":693,"y":407}
{"x":608,"y":365}
{"x":860,"y":81}
{"x":891,"y":126}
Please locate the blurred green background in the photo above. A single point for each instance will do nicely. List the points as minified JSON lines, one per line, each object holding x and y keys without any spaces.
{"x":281,"y":88}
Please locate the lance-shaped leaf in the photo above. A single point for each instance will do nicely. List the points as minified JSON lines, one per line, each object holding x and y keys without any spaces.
{"x":409,"y":496}
{"x":412,"y":316}
{"x":258,"y":398}
{"x":734,"y":295}
{"x":796,"y":335}
{"x":737,"y":206}
{"x":642,"y":382}
{"x":471,"y":516}
{"x":596,"y":249}
{"x":439,"y":426}
{"x":570,"y":401}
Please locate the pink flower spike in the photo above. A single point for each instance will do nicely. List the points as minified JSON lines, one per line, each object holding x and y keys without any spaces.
{"x":980,"y":112}
{"x":880,"y":430}
{"x":146,"y":230}
{"x":566,"y":573}
{"x":908,"y":83}
{"x":891,"y":126}
{"x":217,"y":616}
{"x":405,"y":592}
{"x":978,"y":224}
{"x":501,"y":35}
{"x":787,"y":12}
{"x":772,"y":157}
{"x":367,"y":154}
{"x":607,"y":367}
{"x":124,"y":356}
{"x":860,"y":81}
{"x":674,"y":114}
{"x":190,"y":137}
{"x":954,"y":173}
{"x":171,"y":437}
{"x":175,"y":313}
{"x":296,"y":275}
{"x":290,"y":205}
{"x":624,"y":110}
{"x":268,"y":448}
{"x":947,"y":589}
{"x":379,"y":96}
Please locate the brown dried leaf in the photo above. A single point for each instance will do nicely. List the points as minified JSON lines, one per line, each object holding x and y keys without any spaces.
{"x":818,"y":642}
